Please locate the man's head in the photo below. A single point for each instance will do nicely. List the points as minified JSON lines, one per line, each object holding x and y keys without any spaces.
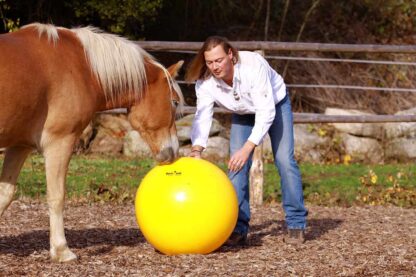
{"x":215,"y":57}
{"x":220,"y":63}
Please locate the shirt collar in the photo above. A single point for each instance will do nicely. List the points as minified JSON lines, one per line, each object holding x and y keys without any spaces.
{"x":236,"y":78}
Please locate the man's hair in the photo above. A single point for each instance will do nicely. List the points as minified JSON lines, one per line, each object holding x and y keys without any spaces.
{"x":197,"y":69}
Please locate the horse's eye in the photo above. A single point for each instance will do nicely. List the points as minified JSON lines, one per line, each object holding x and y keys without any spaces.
{"x":175,"y":103}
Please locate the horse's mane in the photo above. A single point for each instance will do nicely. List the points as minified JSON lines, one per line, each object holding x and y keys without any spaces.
{"x":50,"y":30}
{"x":118,"y":63}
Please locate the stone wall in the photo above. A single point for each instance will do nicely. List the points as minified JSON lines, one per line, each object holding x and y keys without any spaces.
{"x":316,"y":143}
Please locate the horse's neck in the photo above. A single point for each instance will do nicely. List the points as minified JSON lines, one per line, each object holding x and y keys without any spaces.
{"x":127,"y":99}
{"x":124,"y":101}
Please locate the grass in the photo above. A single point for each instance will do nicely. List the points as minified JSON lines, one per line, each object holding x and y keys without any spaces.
{"x":339,"y":184}
{"x":88,"y":177}
{"x":103,"y":178}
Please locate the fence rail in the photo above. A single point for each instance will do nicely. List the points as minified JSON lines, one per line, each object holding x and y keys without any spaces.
{"x":329,"y":86}
{"x":283,"y":46}
{"x":311,"y":117}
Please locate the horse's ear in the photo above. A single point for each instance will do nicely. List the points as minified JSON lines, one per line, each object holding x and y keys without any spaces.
{"x":174,"y":68}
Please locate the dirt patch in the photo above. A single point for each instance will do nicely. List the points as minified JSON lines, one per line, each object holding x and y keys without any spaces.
{"x":356,"y":241}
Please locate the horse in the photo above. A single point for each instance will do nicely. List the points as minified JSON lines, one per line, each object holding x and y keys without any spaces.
{"x":52,"y":82}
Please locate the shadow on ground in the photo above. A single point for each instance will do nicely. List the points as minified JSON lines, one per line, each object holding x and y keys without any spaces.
{"x":316,"y":228}
{"x":106,"y":239}
{"x":30,"y":242}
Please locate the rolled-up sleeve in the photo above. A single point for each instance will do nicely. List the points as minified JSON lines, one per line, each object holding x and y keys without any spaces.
{"x":203,"y":116}
{"x":262,"y":97}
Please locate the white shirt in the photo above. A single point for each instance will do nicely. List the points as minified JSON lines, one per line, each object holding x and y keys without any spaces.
{"x":257,"y":88}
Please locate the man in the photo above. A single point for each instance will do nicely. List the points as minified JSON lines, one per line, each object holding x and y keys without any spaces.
{"x":244,"y":83}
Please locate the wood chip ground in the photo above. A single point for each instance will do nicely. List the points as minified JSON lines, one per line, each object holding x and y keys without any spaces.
{"x":356,"y":241}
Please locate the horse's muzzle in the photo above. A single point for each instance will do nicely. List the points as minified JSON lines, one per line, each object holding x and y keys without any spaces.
{"x":166,"y":156}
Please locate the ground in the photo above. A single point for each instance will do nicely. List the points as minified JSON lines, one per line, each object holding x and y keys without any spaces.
{"x":356,"y":241}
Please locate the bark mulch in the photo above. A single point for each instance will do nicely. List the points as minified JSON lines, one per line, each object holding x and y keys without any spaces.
{"x":356,"y":241}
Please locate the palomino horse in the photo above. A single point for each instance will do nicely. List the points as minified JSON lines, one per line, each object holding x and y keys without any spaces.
{"x":52,"y":82}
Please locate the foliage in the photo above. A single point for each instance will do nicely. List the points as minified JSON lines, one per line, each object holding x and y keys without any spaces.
{"x":333,"y":21}
{"x":9,"y":24}
{"x":126,"y":17}
{"x":372,"y":192}
{"x":195,"y":20}
{"x":121,"y":17}
{"x":342,"y":184}
{"x":393,"y":18}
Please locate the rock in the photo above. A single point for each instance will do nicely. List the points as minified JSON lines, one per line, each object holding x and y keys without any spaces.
{"x":118,"y":124}
{"x":401,"y":149}
{"x":373,"y":130}
{"x":85,"y":139}
{"x":362,"y":141}
{"x":184,"y":128}
{"x":401,"y":129}
{"x":363,"y":149}
{"x":106,"y":142}
{"x":135,"y":146}
{"x":217,"y":149}
{"x":111,"y":130}
{"x":184,"y":134}
{"x":307,"y":145}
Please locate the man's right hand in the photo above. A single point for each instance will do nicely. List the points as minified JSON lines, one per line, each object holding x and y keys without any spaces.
{"x":195,"y":152}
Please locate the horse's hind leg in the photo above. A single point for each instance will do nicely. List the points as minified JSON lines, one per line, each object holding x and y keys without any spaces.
{"x":13,"y":162}
{"x":57,"y":156}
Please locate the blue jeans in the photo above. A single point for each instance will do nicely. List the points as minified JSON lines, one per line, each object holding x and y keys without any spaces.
{"x":282,"y":141}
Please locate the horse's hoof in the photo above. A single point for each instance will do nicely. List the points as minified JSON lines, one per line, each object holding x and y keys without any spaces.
{"x":63,"y":256}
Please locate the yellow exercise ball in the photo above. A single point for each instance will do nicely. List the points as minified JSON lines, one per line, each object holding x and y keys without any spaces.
{"x":187,"y":207}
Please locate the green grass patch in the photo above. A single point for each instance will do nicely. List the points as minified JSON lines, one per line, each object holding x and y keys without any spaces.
{"x":342,"y":185}
{"x":93,"y":178}
{"x":103,"y":178}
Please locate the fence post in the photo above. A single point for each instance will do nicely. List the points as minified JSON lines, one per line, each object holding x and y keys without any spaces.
{"x":256,"y":171}
{"x":256,"y":177}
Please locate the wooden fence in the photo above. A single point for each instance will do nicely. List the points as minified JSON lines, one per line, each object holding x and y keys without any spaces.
{"x":282,"y":46}
{"x":256,"y":173}
{"x":177,"y":46}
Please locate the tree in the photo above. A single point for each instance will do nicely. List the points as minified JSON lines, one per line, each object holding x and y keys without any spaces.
{"x":9,"y":24}
{"x":128,"y":17}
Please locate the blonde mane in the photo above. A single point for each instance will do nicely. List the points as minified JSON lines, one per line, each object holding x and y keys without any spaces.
{"x":50,"y":30}
{"x":117,"y":62}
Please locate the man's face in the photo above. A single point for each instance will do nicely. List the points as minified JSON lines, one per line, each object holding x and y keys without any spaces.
{"x":219,"y":63}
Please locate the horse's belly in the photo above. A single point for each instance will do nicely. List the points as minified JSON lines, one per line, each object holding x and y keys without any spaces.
{"x":19,"y":134}
{"x":21,"y":120}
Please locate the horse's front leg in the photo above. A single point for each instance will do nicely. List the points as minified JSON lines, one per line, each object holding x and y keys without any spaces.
{"x":57,"y":155}
{"x":13,"y":160}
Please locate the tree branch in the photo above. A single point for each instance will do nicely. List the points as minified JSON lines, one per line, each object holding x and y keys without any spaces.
{"x":308,"y":13}
{"x":287,"y":3}
{"x":266,"y":24}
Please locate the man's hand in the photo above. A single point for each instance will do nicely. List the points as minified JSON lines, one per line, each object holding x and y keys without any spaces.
{"x":239,"y":159}
{"x":196,"y":152}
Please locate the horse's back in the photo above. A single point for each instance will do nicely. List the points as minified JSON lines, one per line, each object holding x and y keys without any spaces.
{"x":18,"y":65}
{"x":37,"y":77}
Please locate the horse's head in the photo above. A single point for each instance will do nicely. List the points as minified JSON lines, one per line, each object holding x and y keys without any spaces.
{"x":154,"y":115}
